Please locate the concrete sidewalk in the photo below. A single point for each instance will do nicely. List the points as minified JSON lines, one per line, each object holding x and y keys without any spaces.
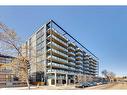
{"x":41,"y":88}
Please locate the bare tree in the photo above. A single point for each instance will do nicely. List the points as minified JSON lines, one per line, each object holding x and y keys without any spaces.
{"x":104,"y":73}
{"x":111,"y":76}
{"x":108,"y":75}
{"x":10,"y":44}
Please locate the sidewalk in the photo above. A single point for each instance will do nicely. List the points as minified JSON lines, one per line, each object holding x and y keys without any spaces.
{"x":69,"y":87}
{"x":18,"y":88}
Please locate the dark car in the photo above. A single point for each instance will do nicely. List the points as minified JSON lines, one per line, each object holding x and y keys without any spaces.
{"x":104,"y":82}
{"x":82,"y":85}
{"x":92,"y":84}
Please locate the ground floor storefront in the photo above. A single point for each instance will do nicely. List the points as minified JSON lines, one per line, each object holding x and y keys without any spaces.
{"x":60,"y":79}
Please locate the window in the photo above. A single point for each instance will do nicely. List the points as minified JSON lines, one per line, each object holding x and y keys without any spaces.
{"x":40,"y":33}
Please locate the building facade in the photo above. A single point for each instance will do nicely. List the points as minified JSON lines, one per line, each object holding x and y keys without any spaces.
{"x":58,"y":57}
{"x":6,"y":70}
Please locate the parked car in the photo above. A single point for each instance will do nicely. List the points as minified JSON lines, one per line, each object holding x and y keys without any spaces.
{"x":99,"y":83}
{"x":82,"y":85}
{"x":92,"y":84}
{"x":104,"y":82}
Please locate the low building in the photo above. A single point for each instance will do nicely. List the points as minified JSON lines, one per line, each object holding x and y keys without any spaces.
{"x":9,"y":74}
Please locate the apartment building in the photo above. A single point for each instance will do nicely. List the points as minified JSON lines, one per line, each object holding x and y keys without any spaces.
{"x":6,"y":72}
{"x":60,"y":57}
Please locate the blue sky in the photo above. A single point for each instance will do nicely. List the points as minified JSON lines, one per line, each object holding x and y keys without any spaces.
{"x":103,"y":30}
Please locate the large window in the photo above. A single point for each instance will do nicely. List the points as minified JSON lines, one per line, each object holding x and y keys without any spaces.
{"x":40,"y":33}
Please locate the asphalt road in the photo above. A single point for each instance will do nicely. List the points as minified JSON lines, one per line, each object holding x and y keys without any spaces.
{"x":109,"y":86}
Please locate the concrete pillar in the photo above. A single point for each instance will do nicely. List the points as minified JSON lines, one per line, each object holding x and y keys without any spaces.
{"x":74,"y":79}
{"x":66,"y":79}
{"x":55,"y":79}
{"x":61,"y":81}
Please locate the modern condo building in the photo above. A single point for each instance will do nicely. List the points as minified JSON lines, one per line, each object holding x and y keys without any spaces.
{"x":57,"y":58}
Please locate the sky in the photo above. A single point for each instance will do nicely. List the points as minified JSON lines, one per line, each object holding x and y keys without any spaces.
{"x":101,"y":29}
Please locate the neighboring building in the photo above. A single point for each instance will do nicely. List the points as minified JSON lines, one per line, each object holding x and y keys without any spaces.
{"x":61,"y":58}
{"x":5,"y":59}
{"x":6,"y":71}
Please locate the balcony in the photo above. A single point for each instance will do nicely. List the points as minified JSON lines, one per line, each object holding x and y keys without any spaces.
{"x":79,"y":58}
{"x":71,"y":53}
{"x":71,"y":68}
{"x":81,"y":66}
{"x":78,"y":62}
{"x":86,"y":65}
{"x":79,"y":54}
{"x":86,"y":72}
{"x":80,"y":70}
{"x":57,"y":59}
{"x":57,"y":40}
{"x":56,"y":46}
{"x":71,"y":44}
{"x":56,"y":65}
{"x":78,"y":49}
{"x":57,"y":34}
{"x":93,"y":61}
{"x":86,"y":69}
{"x":71,"y":59}
{"x":91,"y":70}
{"x":94,"y":65}
{"x":58,"y":71}
{"x":71,"y":63}
{"x":71,"y":49}
{"x":86,"y":61}
{"x":91,"y":67}
{"x":58,"y":53}
{"x":86,"y":58}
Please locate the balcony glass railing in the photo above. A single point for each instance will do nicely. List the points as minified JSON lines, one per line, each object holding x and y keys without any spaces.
{"x":58,"y":52}
{"x":59,"y":71}
{"x":86,"y":65}
{"x":79,"y":53}
{"x":71,"y":48}
{"x":71,"y":58}
{"x":72,"y":63}
{"x":78,"y":57}
{"x":86,"y":68}
{"x":71,"y":44}
{"x":56,"y":45}
{"x":71,"y":68}
{"x":79,"y":62}
{"x":80,"y":70}
{"x":86,"y":61}
{"x":59,"y":40}
{"x":80,"y":66}
{"x":59,"y":59}
{"x":58,"y":65}
{"x":71,"y":53}
{"x":78,"y":49}
{"x":58,"y":34}
{"x":85,"y":58}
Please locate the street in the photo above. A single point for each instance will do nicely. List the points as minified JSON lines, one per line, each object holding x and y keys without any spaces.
{"x":112,"y":86}
{"x":109,"y":86}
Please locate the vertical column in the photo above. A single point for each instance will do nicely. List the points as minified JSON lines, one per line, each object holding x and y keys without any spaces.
{"x":45,"y":49}
{"x":74,"y":79}
{"x":51,"y":44}
{"x":61,"y":81}
{"x":66,"y":79}
{"x":55,"y":79}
